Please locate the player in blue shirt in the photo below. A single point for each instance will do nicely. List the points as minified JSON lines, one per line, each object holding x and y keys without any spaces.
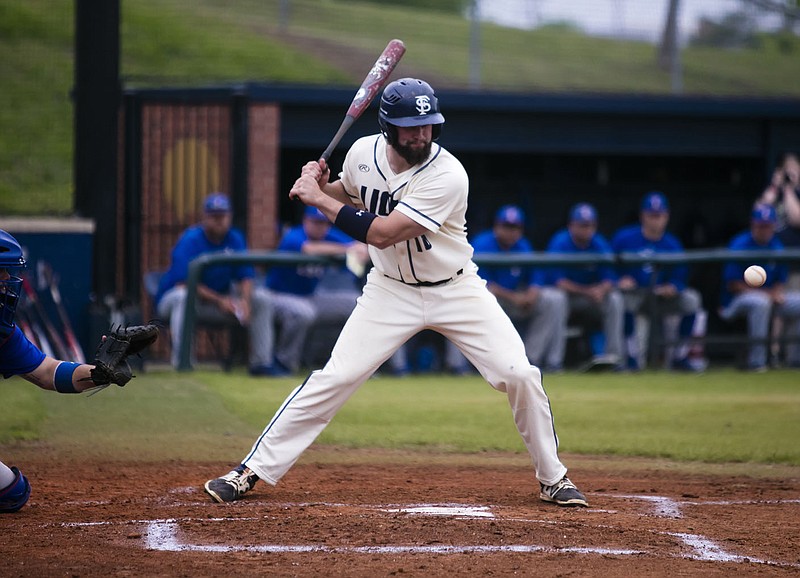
{"x":19,"y":356}
{"x":522,"y":293}
{"x":759,"y":304}
{"x":591,"y":289}
{"x":667,"y":292}
{"x":224,"y":291}
{"x":297,"y":302}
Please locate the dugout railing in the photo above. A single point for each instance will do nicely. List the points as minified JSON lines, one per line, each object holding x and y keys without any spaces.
{"x":533,"y":259}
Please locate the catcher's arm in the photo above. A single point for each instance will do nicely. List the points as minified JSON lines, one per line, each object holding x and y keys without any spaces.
{"x":110,"y":364}
{"x":44,"y":375}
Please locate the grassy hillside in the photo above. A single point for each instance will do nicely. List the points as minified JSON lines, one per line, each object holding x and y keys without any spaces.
{"x":182,"y":42}
{"x":36,"y":41}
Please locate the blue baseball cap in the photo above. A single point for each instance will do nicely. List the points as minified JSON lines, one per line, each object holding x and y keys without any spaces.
{"x":510,"y":215}
{"x":763,"y":213}
{"x":217,"y":203}
{"x":314,"y":213}
{"x":655,"y":202}
{"x":583,"y":213}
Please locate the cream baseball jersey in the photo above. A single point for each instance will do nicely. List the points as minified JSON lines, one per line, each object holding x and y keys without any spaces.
{"x":434,"y":194}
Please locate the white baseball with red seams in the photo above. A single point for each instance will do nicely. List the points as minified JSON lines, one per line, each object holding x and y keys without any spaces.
{"x":755,"y":276}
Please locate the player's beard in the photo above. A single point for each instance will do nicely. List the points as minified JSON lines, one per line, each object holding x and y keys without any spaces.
{"x":413,"y":156}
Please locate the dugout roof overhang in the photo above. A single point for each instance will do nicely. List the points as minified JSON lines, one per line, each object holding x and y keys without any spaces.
{"x":535,"y":123}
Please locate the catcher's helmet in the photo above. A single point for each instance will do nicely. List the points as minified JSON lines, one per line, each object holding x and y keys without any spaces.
{"x":409,"y":102}
{"x":10,"y":287}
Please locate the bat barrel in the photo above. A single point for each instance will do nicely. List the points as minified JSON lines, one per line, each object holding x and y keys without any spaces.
{"x":374,"y":81}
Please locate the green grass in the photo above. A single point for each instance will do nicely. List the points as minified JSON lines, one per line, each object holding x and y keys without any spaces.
{"x":194,"y":43}
{"x":720,"y":417}
{"x":180,"y":43}
{"x":724,"y":416}
{"x":24,"y":411}
{"x":35,"y":110}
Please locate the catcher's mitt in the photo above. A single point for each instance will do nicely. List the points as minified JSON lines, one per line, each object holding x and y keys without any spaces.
{"x":111,"y":359}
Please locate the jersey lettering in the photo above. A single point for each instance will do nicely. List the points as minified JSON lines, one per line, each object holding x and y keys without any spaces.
{"x":423,"y":244}
{"x":378,"y":202}
{"x":382,"y":203}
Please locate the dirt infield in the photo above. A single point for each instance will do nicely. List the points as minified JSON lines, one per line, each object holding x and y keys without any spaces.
{"x":394,"y":518}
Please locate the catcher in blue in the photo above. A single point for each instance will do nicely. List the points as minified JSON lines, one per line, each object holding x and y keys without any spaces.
{"x":406,"y":197}
{"x":19,"y":356}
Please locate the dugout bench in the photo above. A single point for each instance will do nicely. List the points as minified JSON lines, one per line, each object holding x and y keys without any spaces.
{"x":533,"y":259}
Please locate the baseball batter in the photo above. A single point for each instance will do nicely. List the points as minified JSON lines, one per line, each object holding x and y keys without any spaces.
{"x":406,"y":197}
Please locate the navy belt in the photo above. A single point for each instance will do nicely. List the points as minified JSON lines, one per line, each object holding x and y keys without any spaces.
{"x":428,"y":283}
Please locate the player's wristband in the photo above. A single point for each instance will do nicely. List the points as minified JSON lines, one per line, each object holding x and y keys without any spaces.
{"x":354,"y":223}
{"x":63,"y":377}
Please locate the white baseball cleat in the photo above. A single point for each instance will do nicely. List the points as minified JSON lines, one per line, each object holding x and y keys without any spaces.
{"x":563,"y":493}
{"x":231,"y":486}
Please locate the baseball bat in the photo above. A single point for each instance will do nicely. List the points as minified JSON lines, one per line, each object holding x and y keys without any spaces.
{"x":374,"y":81}
{"x":50,"y":333}
{"x":37,"y":335}
{"x":21,"y":319}
{"x":73,"y":347}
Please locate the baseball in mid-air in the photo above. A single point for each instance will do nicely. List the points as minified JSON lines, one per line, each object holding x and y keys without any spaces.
{"x":755,"y":276}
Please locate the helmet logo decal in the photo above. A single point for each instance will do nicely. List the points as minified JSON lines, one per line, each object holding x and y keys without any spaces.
{"x":423,"y":104}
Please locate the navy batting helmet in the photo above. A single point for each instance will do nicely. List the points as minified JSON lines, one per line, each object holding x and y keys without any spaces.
{"x":10,"y":285}
{"x":409,"y":102}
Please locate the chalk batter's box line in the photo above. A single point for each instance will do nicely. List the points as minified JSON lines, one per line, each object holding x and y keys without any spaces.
{"x":161,"y":534}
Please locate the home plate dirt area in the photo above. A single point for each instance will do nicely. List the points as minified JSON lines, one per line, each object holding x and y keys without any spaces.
{"x":389,"y":519}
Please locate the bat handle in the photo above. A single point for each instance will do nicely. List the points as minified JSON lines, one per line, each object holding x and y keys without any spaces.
{"x":345,"y":126}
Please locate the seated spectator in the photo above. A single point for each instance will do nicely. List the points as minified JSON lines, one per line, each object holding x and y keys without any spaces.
{"x":591,"y":290}
{"x":306,"y":294}
{"x":759,"y":304}
{"x":225,"y":292}
{"x":293,"y":287}
{"x":539,"y":311}
{"x":648,"y":290}
{"x":783,"y":193}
